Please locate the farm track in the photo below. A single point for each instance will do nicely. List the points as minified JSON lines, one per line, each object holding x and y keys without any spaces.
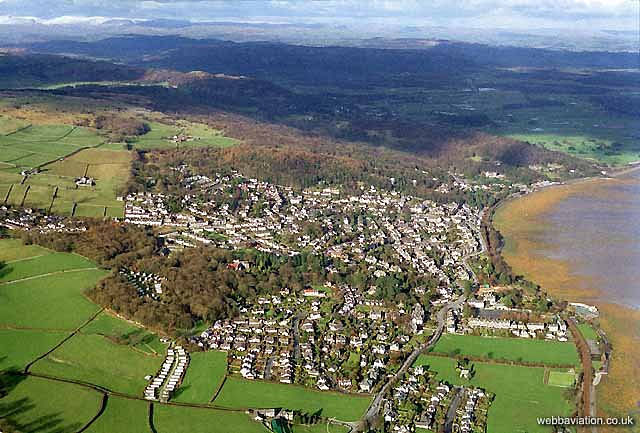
{"x":35,"y":277}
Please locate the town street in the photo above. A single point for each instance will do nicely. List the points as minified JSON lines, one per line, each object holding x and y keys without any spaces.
{"x":374,"y":408}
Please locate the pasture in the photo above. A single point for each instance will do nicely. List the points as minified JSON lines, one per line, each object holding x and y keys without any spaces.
{"x":160,"y":136}
{"x":171,"y":419}
{"x":45,"y":406}
{"x":125,"y":333}
{"x":521,"y":394}
{"x":511,"y":349}
{"x":63,"y":153}
{"x":47,"y":264}
{"x":204,"y":375}
{"x":97,"y":360}
{"x":52,"y":302}
{"x":14,"y":249}
{"x":241,"y":394}
{"x":18,"y":347}
{"x":122,"y":416}
{"x":590,"y":147}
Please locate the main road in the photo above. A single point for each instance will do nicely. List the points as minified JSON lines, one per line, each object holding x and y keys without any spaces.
{"x":374,"y":407}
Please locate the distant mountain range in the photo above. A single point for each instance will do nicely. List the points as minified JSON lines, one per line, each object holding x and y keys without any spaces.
{"x":29,"y":29}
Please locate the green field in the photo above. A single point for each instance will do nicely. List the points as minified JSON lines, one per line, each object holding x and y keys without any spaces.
{"x":47,"y":264}
{"x":605,"y":150}
{"x":588,"y":332}
{"x":562,"y":379}
{"x":204,"y":375}
{"x":320,"y":428}
{"x":13,"y":249}
{"x":53,"y":302}
{"x":160,"y":134}
{"x":122,"y":416}
{"x":49,"y":147}
{"x":45,"y":406}
{"x":521,"y":394}
{"x":125,"y":333}
{"x":171,"y":419}
{"x":240,"y":393}
{"x":19,"y":347}
{"x":95,"y":359}
{"x":512,"y":349}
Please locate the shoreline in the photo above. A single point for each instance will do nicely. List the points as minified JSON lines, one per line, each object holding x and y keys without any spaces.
{"x":619,"y":392}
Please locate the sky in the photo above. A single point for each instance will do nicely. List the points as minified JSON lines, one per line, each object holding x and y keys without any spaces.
{"x":507,"y":14}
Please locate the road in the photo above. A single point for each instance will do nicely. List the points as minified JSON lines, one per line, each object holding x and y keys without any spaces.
{"x":453,"y":407}
{"x":374,"y":407}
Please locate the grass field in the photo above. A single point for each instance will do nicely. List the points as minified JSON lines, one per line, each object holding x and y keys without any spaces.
{"x":204,"y":375}
{"x":240,"y":393}
{"x":588,"y":332}
{"x":320,"y":428}
{"x":9,"y":125}
{"x":158,"y":137}
{"x":521,"y":394}
{"x":19,"y":347}
{"x":40,"y":288}
{"x":14,"y":249}
{"x":47,"y":264}
{"x":95,"y":359}
{"x":129,"y":334}
{"x":53,"y":302}
{"x":514,"y":349}
{"x":44,"y":406}
{"x":562,"y":379}
{"x":122,"y":416}
{"x":50,"y":147}
{"x":170,"y":419}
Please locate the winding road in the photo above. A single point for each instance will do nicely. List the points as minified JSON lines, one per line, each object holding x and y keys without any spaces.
{"x":374,"y":407}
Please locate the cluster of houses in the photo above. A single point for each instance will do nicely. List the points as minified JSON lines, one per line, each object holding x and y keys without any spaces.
{"x":294,"y":338}
{"x":553,"y":330}
{"x":231,"y":211}
{"x":85,"y":181}
{"x":18,"y":218}
{"x":471,"y":415}
{"x":420,"y":401}
{"x":170,"y":376}
{"x":146,"y":284}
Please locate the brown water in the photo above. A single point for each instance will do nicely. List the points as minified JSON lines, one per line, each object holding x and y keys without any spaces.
{"x":595,"y":230}
{"x":581,"y":242}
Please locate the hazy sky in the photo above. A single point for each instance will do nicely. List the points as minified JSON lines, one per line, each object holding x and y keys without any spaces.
{"x":514,"y":14}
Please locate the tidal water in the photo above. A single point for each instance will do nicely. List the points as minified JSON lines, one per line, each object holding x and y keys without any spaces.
{"x":596,"y":230}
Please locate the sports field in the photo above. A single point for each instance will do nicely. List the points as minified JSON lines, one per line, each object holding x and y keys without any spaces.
{"x":562,"y":379}
{"x":521,"y":394}
{"x":512,"y":349}
{"x":241,"y":394}
{"x":204,"y":375}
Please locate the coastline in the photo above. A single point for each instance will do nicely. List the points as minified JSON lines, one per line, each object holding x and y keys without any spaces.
{"x":521,"y":220}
